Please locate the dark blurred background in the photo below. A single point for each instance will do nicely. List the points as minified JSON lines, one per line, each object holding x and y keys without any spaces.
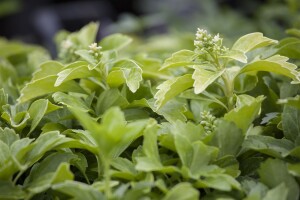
{"x":37,"y":21}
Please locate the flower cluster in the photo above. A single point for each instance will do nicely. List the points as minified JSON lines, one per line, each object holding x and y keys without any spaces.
{"x":95,"y":51}
{"x":205,"y":42}
{"x":208,"y":121}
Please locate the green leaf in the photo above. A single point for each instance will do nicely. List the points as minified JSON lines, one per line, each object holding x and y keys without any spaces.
{"x":245,"y":113}
{"x":171,"y":88}
{"x":273,"y":172}
{"x":6,"y":161}
{"x":203,"y":78}
{"x":252,"y":41}
{"x":113,"y":135}
{"x":289,"y":47}
{"x":70,"y":101}
{"x":278,"y":193}
{"x":48,"y":68}
{"x":291,"y":101}
{"x":245,"y":82}
{"x":87,"y":34}
{"x":10,"y":191}
{"x":180,"y":58}
{"x":279,"y":148}
{"x":53,"y":169}
{"x":45,"y":142}
{"x":110,"y":98}
{"x":182,"y":191}
{"x":8,"y":136}
{"x":74,"y":73}
{"x":115,"y":41}
{"x":293,"y":31}
{"x":151,"y":160}
{"x":275,"y":64}
{"x":294,"y":169}
{"x":86,"y":55}
{"x":236,"y":55}
{"x":291,"y":122}
{"x":3,"y":99}
{"x":40,"y":87}
{"x":194,"y":155}
{"x":172,"y":111}
{"x":132,"y":74}
{"x":225,"y":130}
{"x":17,"y":120}
{"x":37,"y":111}
{"x":78,"y":190}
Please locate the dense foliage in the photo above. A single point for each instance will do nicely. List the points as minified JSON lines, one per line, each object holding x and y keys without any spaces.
{"x":123,"y":119}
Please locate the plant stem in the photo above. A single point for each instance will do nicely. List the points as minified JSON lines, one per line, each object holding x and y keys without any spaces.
{"x":228,"y":90}
{"x":106,"y":174}
{"x":107,"y":179}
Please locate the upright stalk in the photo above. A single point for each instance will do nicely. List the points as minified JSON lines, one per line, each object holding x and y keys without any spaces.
{"x":106,"y":174}
{"x":228,"y":91}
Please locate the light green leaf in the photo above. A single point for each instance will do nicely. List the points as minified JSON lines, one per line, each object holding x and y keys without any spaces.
{"x":113,"y":135}
{"x":274,"y":172}
{"x":17,"y":120}
{"x":115,"y":41}
{"x":86,"y":55}
{"x":10,"y":191}
{"x":244,"y":114}
{"x":74,"y":73}
{"x":115,"y":78}
{"x":218,"y":181}
{"x":171,"y":88}
{"x":252,"y":41}
{"x":172,"y":111}
{"x":45,"y":86}
{"x":48,"y":68}
{"x":78,"y":190}
{"x":278,"y":193}
{"x":37,"y":111}
{"x":236,"y":55}
{"x":125,"y":168}
{"x":8,"y":136}
{"x":45,"y":142}
{"x":182,"y":191}
{"x":70,"y":101}
{"x":203,"y":78}
{"x":87,"y":34}
{"x":294,"y":169}
{"x":275,"y":64}
{"x":180,"y":58}
{"x":132,"y":73}
{"x":204,"y":96}
{"x":151,"y":160}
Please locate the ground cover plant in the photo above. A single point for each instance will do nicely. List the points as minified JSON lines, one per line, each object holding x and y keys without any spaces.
{"x":117,"y":119}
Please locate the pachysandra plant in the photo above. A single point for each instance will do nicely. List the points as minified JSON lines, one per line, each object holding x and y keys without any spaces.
{"x":111,"y":121}
{"x":213,"y":63}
